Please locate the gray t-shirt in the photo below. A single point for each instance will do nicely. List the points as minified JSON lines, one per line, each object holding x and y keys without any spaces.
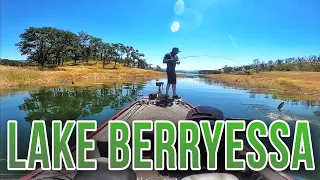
{"x":171,"y":65}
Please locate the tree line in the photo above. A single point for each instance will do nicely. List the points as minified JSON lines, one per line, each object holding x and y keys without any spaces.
{"x":311,"y":63}
{"x":48,"y":45}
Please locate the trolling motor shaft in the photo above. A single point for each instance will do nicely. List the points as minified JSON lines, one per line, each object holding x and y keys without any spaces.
{"x":160,"y":100}
{"x":159,"y":84}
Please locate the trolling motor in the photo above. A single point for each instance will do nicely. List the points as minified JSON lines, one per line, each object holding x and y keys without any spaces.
{"x":158,"y":97}
{"x":159,"y":84}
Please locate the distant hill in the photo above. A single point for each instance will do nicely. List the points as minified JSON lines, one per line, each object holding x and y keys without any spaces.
{"x":10,"y":62}
{"x":188,"y":71}
{"x":183,"y":71}
{"x":1,"y":59}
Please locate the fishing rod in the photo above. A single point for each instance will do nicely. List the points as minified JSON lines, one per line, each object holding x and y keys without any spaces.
{"x":210,"y":56}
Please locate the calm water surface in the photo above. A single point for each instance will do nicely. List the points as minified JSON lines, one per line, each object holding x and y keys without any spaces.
{"x":101,"y":103}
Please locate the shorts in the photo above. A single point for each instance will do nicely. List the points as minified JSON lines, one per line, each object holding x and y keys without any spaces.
{"x":172,"y":77}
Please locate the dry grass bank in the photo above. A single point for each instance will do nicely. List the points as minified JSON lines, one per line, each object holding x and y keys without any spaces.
{"x":81,"y":74}
{"x":293,"y":85}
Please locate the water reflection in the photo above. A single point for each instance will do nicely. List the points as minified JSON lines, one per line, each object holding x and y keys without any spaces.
{"x":307,"y":103}
{"x":102,"y":102}
{"x":252,"y":95}
{"x":73,"y":103}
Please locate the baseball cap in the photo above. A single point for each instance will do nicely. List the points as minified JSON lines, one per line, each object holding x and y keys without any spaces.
{"x":175,"y":49}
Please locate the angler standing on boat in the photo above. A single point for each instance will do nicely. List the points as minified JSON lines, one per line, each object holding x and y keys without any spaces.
{"x":171,"y":59}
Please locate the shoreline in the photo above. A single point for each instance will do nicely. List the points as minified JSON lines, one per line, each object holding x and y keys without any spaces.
{"x":284,"y":85}
{"x":82,"y":75}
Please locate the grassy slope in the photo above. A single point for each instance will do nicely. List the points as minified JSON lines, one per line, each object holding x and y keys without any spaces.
{"x":80,"y":74}
{"x":293,"y":85}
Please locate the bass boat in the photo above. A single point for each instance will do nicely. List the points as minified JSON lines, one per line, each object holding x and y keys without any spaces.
{"x":157,"y":107}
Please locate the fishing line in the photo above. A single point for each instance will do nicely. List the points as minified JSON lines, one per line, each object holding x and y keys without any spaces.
{"x":210,"y":56}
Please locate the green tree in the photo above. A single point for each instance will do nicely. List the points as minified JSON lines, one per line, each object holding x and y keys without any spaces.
{"x":75,"y":48}
{"x":38,"y":44}
{"x":121,"y":51}
{"x":106,"y":53}
{"x":158,"y":68}
{"x":85,"y":45}
{"x":49,"y":45}
{"x":65,"y":45}
{"x":256,"y":63}
{"x":128,"y":59}
{"x":115,"y":53}
{"x":95,"y":46}
{"x":227,"y":69}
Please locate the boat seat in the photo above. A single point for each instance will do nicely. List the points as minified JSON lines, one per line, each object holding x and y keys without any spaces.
{"x":104,"y":173}
{"x":211,"y":176}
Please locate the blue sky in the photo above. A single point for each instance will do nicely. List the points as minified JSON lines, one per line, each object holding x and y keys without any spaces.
{"x":238,"y":29}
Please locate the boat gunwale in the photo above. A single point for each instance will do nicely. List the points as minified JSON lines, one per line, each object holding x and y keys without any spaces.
{"x":73,"y":147}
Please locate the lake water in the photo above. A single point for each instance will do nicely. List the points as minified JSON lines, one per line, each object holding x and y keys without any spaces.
{"x":101,"y":103}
